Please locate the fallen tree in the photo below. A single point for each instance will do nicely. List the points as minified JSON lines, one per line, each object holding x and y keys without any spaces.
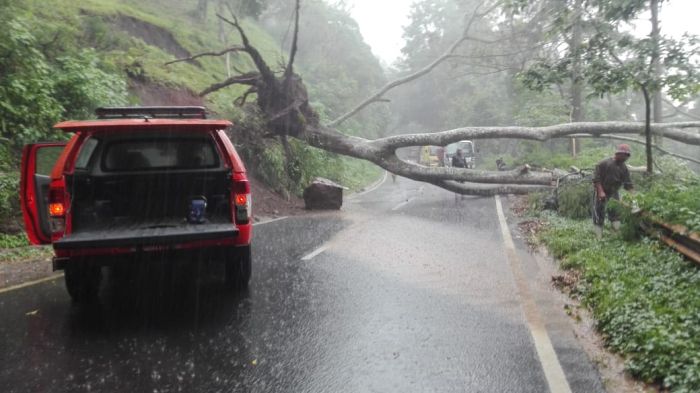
{"x":284,"y":103}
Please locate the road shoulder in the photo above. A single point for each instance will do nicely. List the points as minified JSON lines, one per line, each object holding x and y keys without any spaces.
{"x":566,"y":316}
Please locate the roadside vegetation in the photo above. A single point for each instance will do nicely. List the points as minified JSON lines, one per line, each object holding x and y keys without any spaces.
{"x":644,"y":296}
{"x":675,"y":203}
{"x":645,"y":299}
{"x":15,"y":248}
{"x":49,"y":75}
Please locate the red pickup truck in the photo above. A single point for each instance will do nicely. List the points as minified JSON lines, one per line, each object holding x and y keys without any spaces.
{"x":138,"y":180}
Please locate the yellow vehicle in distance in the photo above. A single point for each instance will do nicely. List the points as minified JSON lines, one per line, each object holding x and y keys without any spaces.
{"x":432,"y":156}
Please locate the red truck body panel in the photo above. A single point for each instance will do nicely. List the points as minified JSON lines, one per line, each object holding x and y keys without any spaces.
{"x":65,"y":165}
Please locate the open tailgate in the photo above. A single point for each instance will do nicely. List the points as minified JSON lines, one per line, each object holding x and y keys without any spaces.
{"x":139,"y":237}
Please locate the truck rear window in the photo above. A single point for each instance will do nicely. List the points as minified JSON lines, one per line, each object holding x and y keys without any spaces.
{"x":159,"y":154}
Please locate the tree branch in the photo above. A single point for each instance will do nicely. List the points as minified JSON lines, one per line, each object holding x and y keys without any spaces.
{"x":240,"y":101}
{"x":670,"y":130}
{"x":288,"y":71}
{"x":490,"y":189}
{"x":284,"y":112}
{"x":678,"y":111}
{"x":209,"y":54}
{"x":265,"y":72}
{"x":408,"y":78}
{"x":284,"y":103}
{"x":249,"y":79}
{"x":385,"y":157}
{"x":382,"y":152}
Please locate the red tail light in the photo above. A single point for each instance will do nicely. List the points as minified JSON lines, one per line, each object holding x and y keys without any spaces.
{"x":242,"y":206}
{"x":57,"y":211}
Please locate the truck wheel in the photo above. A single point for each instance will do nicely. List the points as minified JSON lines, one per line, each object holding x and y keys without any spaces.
{"x":82,"y":281}
{"x":238,"y":267}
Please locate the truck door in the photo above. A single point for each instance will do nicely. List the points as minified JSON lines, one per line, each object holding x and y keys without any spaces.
{"x":37,"y":162}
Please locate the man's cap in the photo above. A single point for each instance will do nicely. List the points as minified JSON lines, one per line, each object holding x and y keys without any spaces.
{"x":623,"y":148}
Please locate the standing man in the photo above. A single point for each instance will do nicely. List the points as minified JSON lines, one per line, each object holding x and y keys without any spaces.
{"x":610,"y":175}
{"x":458,"y":161}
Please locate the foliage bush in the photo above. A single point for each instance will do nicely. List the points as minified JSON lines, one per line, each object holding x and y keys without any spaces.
{"x":310,"y":163}
{"x":590,"y":155}
{"x":536,"y":202}
{"x":40,"y":84}
{"x":644,"y":297}
{"x":13,"y":241}
{"x":9,"y":195}
{"x":676,"y":202}
{"x":575,"y":199}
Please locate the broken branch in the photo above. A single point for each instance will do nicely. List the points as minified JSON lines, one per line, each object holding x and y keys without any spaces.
{"x":408,"y":78}
{"x":249,"y":79}
{"x":209,"y":54}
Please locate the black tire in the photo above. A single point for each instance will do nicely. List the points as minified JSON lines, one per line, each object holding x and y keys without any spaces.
{"x":238,"y":267}
{"x":82,"y":281}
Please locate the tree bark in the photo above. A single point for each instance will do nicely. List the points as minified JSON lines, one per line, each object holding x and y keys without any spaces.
{"x":576,"y":85}
{"x":647,"y":129}
{"x":656,"y":66}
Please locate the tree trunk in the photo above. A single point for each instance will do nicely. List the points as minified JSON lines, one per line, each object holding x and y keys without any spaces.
{"x":656,"y":65}
{"x":647,"y":129}
{"x":201,"y":11}
{"x":577,"y":114}
{"x":284,"y":103}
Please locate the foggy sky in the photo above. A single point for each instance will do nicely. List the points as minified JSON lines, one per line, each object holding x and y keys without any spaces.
{"x":381,"y":22}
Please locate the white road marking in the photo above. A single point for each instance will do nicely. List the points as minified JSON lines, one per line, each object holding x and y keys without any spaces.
{"x":314,"y":253}
{"x":30,"y":283}
{"x":545,"y":351}
{"x":402,"y":204}
{"x":269,"y":221}
{"x":372,"y":188}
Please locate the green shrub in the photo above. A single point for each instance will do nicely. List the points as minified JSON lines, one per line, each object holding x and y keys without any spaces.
{"x":310,"y":163}
{"x":575,"y":199}
{"x":9,"y":195}
{"x":676,"y":201}
{"x":563,"y":240}
{"x":644,"y":297}
{"x":13,"y":241}
{"x":536,"y":202}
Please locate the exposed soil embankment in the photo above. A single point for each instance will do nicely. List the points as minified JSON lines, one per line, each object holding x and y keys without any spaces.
{"x":153,"y":94}
{"x":267,"y":203}
{"x":151,"y":34}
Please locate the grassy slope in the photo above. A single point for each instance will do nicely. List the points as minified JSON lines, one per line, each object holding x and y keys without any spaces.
{"x":126,"y":51}
{"x":644,"y":297}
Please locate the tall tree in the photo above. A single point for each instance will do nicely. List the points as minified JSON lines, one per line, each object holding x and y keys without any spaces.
{"x":284,"y":103}
{"x":654,"y":6}
{"x":614,"y":61}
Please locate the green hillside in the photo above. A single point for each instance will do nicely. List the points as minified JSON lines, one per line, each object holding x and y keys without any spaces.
{"x":139,"y":37}
{"x":62,"y":60}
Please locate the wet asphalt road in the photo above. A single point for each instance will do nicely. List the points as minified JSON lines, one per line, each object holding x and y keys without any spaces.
{"x":405,"y":290}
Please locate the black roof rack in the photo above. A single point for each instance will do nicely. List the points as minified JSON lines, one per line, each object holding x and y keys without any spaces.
{"x":140,"y":112}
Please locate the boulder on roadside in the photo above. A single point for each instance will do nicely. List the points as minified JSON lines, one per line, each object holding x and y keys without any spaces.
{"x":323,"y":194}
